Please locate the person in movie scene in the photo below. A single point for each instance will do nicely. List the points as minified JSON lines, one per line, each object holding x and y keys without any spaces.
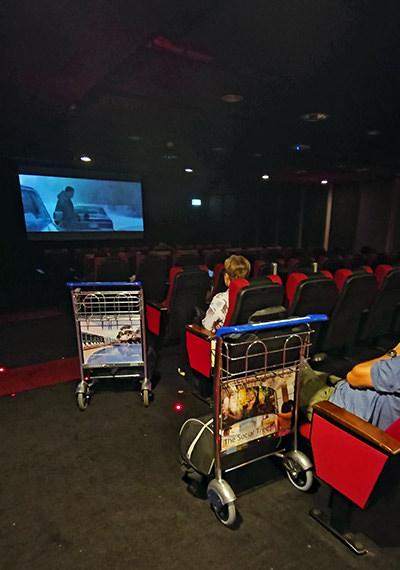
{"x":236,"y":267}
{"x":370,"y":391}
{"x":64,"y":214}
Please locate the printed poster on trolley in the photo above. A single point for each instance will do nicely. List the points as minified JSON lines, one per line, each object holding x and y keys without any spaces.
{"x":255,"y":407}
{"x":111,"y":342}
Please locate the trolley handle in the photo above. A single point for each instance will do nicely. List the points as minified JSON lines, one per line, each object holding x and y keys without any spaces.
{"x":96,"y":284}
{"x":271,"y":325}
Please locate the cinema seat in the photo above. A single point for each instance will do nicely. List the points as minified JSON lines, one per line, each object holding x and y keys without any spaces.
{"x":188,"y":289}
{"x":358,"y":466}
{"x":382,"y":312}
{"x":258,"y":301}
{"x":355,"y":292}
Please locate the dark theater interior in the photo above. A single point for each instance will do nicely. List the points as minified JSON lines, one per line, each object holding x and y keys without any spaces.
{"x":143,"y":143}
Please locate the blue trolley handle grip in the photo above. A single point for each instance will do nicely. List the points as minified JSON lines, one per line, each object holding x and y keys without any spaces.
{"x":97,"y":284}
{"x":271,"y":325}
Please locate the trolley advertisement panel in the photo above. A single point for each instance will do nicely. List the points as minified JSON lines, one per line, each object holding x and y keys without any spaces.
{"x":256,"y":407}
{"x":116,"y":342}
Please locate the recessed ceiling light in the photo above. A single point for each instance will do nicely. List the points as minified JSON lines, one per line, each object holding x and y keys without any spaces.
{"x":170,"y":157}
{"x":300,"y":147}
{"x":314,"y":117}
{"x":232,"y":98}
{"x":324,"y":182}
{"x":85,"y":158}
{"x":135,"y":138}
{"x":188,"y":169}
{"x":373,"y":133}
{"x":265,"y":176}
{"x":258,"y":154}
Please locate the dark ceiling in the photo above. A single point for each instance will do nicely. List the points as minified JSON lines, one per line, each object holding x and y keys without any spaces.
{"x":136,"y":84}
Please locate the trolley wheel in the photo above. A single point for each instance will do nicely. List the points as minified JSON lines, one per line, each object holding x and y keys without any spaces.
{"x":146,"y":398}
{"x":300,"y":478}
{"x":226,"y":514}
{"x":82,"y":400}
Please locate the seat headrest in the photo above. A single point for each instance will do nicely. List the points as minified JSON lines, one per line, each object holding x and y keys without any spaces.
{"x":291,"y":285}
{"x":234,"y":288}
{"x":380,"y":273}
{"x":341,"y":276}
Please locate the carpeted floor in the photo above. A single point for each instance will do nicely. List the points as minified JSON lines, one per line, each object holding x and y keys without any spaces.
{"x":104,"y":488}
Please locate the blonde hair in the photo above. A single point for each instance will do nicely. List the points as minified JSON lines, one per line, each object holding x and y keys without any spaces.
{"x":237,"y":267}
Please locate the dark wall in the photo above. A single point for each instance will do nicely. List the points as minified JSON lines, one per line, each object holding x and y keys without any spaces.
{"x":345,"y":210}
{"x":14,"y":252}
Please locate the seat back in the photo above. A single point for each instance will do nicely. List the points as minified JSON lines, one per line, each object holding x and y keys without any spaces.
{"x":354,"y":297}
{"x":314,"y":294}
{"x":257,"y":295}
{"x":188,"y":290}
{"x":153,"y":275}
{"x":111,"y":269}
{"x":383,"y":308}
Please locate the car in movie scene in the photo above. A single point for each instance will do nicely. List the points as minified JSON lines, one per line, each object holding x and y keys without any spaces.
{"x":37,"y":218}
{"x":92,"y":217}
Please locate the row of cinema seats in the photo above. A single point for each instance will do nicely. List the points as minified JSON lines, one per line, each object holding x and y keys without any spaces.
{"x":362,"y":306}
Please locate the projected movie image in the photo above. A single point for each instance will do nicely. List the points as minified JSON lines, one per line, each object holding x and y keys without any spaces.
{"x":61,"y":204}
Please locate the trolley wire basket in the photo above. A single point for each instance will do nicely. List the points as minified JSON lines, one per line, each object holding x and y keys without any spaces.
{"x":256,"y":385}
{"x":110,"y":328}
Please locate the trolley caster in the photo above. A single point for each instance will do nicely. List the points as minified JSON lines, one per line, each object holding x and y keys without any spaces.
{"x":82,"y":400}
{"x":83,"y":394}
{"x":147,"y":396}
{"x":222,"y":501}
{"x":299,"y":470}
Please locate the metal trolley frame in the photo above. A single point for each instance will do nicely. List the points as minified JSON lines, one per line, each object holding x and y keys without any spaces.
{"x":267,"y":365}
{"x":111,"y":334}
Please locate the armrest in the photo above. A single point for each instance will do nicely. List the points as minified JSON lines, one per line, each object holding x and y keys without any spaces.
{"x":156,"y":305}
{"x":200,"y":331}
{"x":358,"y":427}
{"x":154,"y":310}
{"x":199,"y":343}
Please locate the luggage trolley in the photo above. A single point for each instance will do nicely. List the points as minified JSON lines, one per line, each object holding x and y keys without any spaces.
{"x":257,"y":369}
{"x":110,"y":328}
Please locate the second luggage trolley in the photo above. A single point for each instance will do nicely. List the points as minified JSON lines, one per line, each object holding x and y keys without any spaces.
{"x":110,"y":328}
{"x":256,"y":387}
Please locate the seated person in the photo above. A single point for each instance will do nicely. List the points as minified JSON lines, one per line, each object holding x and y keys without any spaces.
{"x":371,"y":390}
{"x":236,"y":267}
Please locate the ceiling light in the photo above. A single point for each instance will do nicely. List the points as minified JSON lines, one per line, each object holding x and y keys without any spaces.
{"x":232,"y":98}
{"x":314,"y":117}
{"x":373,"y":133}
{"x":300,"y":147}
{"x":170,"y":157}
{"x":324,"y":182}
{"x":265,"y":176}
{"x":258,"y":155}
{"x":85,"y":158}
{"x":196,"y":202}
{"x":188,"y":169}
{"x":135,"y":138}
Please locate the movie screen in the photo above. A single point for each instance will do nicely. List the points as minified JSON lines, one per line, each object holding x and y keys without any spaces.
{"x":58,"y":207}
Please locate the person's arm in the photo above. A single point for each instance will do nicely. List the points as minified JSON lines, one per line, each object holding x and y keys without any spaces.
{"x":215,"y":313}
{"x":360,"y":375}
